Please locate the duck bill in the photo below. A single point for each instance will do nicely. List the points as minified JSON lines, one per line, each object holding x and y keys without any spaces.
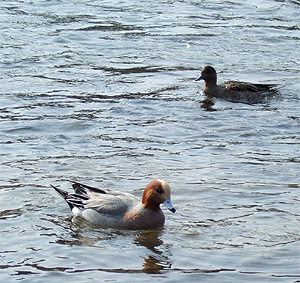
{"x":199,"y":78}
{"x":169,"y":205}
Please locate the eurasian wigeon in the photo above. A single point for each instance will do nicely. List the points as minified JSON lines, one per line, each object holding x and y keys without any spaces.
{"x":234,"y":91}
{"x":119,"y":209}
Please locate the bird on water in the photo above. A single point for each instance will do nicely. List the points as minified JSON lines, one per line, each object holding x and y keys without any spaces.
{"x":234,"y":91}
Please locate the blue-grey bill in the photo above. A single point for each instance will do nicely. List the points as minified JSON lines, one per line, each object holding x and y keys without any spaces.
{"x":169,"y":205}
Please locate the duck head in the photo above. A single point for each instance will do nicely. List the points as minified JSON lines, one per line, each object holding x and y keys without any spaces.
{"x":157,"y":192}
{"x":209,"y":75}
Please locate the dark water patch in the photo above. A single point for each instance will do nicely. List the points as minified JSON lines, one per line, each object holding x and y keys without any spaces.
{"x":156,"y":270}
{"x":111,"y":26}
{"x":6,"y":214}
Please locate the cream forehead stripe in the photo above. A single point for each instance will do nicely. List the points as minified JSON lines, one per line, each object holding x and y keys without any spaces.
{"x":166,"y":188}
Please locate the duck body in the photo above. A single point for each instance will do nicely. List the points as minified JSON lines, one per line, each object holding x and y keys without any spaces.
{"x":119,"y":209}
{"x":234,"y":91}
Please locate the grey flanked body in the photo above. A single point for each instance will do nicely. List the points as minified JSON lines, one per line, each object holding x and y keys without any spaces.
{"x":119,"y":209}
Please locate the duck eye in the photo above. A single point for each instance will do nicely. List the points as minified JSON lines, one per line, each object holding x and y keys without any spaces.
{"x":158,"y":190}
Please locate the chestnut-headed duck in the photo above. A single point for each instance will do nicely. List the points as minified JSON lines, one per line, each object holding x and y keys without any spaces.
{"x":119,"y":209}
{"x":234,"y":91}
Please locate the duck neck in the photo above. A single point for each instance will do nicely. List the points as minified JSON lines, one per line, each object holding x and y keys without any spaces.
{"x":211,"y":82}
{"x":149,"y":203}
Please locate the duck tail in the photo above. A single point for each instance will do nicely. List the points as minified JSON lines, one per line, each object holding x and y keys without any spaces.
{"x":78,"y":187}
{"x":62,"y":193}
{"x":82,"y":189}
{"x":73,"y":200}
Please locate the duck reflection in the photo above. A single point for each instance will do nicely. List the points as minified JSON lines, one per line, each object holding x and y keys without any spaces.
{"x":149,"y":239}
{"x":158,"y":260}
{"x":80,"y":232}
{"x":207,"y":104}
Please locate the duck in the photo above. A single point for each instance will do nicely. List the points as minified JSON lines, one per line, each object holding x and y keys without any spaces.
{"x":120,"y":209}
{"x":234,"y":91}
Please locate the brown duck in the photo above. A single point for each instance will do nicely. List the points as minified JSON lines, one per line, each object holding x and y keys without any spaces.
{"x":234,"y":91}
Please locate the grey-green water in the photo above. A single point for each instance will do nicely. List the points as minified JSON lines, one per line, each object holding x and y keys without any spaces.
{"x":103,"y":92}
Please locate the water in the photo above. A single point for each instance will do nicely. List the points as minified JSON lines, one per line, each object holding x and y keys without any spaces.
{"x":102,"y":92}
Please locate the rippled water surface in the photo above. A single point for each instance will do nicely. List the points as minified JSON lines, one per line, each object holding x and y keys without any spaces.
{"x":103,"y":92}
